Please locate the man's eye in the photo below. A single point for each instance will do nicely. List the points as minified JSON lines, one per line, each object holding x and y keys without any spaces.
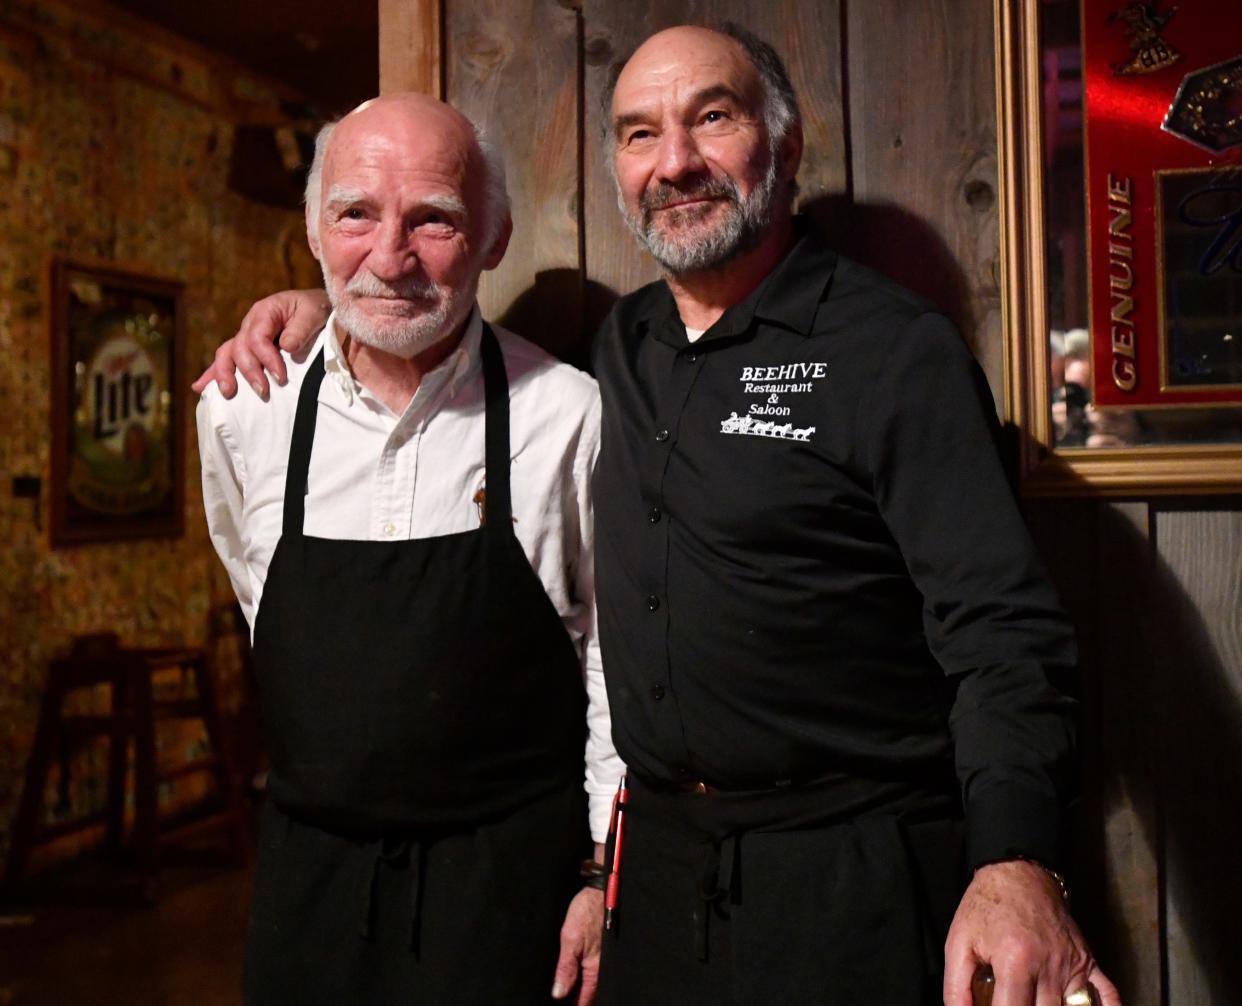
{"x":637,"y":136}
{"x":440,"y":222}
{"x":715,"y":115}
{"x":353,"y":213}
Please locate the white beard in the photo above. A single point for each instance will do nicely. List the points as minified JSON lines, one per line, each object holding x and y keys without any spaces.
{"x":424,"y":314}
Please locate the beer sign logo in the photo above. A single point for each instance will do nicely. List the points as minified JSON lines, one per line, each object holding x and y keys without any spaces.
{"x":122,"y":398}
{"x":120,"y":463}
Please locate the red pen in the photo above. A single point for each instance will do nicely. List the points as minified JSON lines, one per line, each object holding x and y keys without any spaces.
{"x":618,"y":829}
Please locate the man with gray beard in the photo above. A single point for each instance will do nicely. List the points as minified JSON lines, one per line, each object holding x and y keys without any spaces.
{"x":830,"y":646}
{"x":422,"y":609}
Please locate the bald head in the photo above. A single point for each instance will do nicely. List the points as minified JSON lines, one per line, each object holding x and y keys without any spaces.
{"x":673,"y":51}
{"x":418,"y":126}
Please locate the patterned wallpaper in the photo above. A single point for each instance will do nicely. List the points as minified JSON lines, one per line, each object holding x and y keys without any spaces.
{"x":101,"y":162}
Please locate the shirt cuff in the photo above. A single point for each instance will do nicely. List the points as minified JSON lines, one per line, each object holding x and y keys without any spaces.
{"x":599,"y":811}
{"x":1010,"y":823}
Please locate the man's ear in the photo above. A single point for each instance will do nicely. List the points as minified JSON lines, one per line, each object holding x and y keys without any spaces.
{"x":311,"y":238}
{"x":500,"y":244}
{"x":791,"y":152}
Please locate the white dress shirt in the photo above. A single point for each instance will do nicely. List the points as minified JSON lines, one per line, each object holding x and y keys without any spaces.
{"x":378,"y":476}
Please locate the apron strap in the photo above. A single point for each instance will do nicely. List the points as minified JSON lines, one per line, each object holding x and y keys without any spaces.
{"x":300,"y":448}
{"x":499,"y":513}
{"x":395,"y":853}
{"x":716,"y":881}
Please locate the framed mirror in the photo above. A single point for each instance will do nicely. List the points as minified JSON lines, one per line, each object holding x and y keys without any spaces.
{"x":1120,"y":135}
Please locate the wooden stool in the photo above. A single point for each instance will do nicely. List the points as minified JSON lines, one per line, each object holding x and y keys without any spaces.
{"x":99,"y":659}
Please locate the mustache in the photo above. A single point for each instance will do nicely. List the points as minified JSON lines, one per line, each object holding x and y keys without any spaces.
{"x":367,"y":284}
{"x":702,"y":187}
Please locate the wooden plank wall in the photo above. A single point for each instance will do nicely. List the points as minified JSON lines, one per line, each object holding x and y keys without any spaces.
{"x":514,"y":67}
{"x":1100,"y":556}
{"x":1197,"y":580}
{"x":900,"y":167}
{"x":1156,"y":591}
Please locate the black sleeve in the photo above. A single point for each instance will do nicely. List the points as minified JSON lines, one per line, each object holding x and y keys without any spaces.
{"x":992,"y":617}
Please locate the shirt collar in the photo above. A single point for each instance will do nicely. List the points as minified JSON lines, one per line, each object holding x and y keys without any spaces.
{"x":458,"y":367}
{"x":789,"y":295}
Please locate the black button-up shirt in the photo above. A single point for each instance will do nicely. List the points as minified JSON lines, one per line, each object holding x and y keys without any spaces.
{"x":809,"y":560}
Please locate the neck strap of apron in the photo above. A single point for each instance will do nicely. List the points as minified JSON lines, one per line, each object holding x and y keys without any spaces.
{"x":496,"y":393}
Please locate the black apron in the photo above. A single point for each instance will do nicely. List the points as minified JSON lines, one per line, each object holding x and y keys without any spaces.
{"x":835,"y":892}
{"x":425,"y":719}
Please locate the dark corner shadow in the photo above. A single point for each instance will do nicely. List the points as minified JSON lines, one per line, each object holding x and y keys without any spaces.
{"x":1196,"y":697}
{"x":900,"y":245}
{"x":560,"y":312}
{"x":1161,"y":745}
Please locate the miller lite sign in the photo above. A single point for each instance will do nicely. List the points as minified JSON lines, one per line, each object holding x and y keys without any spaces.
{"x":117,"y":419}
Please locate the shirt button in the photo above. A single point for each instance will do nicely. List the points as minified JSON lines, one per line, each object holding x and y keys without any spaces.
{"x":653,"y":515}
{"x":657,"y":692}
{"x":691,"y":357}
{"x":390,"y":529}
{"x":661,"y":436}
{"x":653,"y":602}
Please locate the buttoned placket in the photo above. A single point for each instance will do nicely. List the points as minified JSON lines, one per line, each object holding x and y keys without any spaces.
{"x":684,"y":368}
{"x":396,"y":476}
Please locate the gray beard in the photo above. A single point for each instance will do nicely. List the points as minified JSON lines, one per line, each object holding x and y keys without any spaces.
{"x":404,"y":337}
{"x":746,"y":221}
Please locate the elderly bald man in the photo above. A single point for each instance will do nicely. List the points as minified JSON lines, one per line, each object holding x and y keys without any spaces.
{"x":407,"y":525}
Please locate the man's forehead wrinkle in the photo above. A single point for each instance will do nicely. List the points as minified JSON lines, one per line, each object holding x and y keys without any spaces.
{"x":376,"y":156}
{"x":672,"y":72}
{"x":649,"y":111}
{"x":411,"y":127}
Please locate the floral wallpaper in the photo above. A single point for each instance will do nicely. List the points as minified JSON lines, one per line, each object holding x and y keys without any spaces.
{"x":102,"y":157}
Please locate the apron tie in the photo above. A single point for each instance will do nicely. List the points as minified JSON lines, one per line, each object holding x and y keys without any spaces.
{"x":715,"y":884}
{"x":393,"y":852}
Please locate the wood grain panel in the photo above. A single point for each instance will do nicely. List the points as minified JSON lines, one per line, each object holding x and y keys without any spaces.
{"x":410,"y":46}
{"x":512,"y":66}
{"x":1121,"y":879}
{"x":922,"y":117}
{"x":1200,"y":709}
{"x":808,"y":37}
{"x":1100,"y":559}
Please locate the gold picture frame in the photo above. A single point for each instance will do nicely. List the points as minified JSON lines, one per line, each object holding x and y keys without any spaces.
{"x":1046,"y":469}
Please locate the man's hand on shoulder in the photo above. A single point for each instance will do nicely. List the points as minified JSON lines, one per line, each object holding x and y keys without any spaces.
{"x":291,"y":318}
{"x":1013,"y":917}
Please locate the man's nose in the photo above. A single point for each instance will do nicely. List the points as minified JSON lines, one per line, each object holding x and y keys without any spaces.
{"x":393,"y":253}
{"x":679,"y":155}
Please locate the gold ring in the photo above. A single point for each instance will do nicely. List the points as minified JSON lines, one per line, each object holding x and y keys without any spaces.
{"x":1084,"y":996}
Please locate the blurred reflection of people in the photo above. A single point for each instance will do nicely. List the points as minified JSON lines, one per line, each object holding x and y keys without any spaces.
{"x":1112,"y":427}
{"x":1076,"y":421}
{"x":1071,"y":395}
{"x":1056,"y":359}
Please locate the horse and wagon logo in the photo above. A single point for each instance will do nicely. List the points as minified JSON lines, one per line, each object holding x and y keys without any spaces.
{"x":749,"y":426}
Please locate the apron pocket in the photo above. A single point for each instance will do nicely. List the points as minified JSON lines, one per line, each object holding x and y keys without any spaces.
{"x":830,"y":911}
